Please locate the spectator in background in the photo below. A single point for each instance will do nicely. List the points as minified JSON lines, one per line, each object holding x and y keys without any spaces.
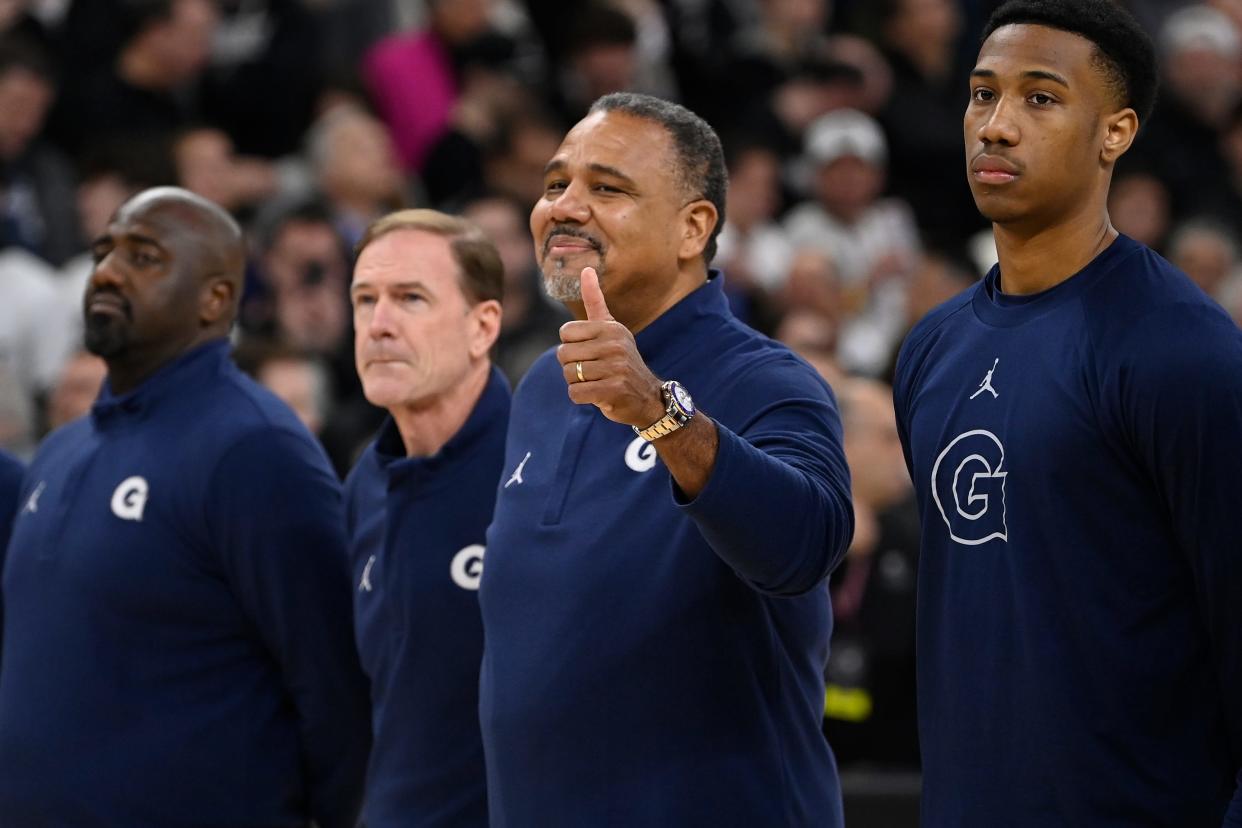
{"x":36,"y":182}
{"x":1138,"y":204}
{"x":600,"y":56}
{"x":267,"y":72}
{"x":813,"y":285}
{"x":813,"y":336}
{"x":513,"y":166}
{"x":76,"y":388}
{"x":531,"y":324}
{"x":354,"y":165}
{"x":873,"y":241}
{"x":207,"y":164}
{"x":304,"y":267}
{"x":301,"y":299}
{"x":36,"y":337}
{"x":936,"y":279}
{"x":1201,"y":59}
{"x":151,"y":85}
{"x":790,"y":34}
{"x":412,"y":76}
{"x":923,"y":117}
{"x":875,"y":76}
{"x":753,"y":250}
{"x":427,"y":308}
{"x":1207,"y":252}
{"x":870,"y":708}
{"x":490,"y":98}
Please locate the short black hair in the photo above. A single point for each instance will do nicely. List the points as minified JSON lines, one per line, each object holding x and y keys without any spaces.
{"x":700,"y":157}
{"x":1124,"y":51}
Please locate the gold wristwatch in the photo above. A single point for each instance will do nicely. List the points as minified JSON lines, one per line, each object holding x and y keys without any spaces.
{"x":678,"y":410}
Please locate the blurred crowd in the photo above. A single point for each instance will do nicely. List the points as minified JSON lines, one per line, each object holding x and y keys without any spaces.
{"x":848,"y":212}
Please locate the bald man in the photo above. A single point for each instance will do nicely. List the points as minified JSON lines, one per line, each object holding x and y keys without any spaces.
{"x":177,"y":647}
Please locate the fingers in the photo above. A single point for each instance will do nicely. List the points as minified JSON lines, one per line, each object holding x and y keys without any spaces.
{"x":579,"y":371}
{"x":593,"y":297}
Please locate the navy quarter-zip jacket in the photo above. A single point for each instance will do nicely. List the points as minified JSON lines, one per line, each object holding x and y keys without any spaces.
{"x":178,"y":647}
{"x":651,"y":660}
{"x":417,"y":526}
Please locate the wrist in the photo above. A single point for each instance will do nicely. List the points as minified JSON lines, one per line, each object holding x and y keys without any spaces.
{"x":678,"y":410}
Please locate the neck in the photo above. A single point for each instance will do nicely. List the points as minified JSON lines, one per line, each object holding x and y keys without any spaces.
{"x":129,"y":370}
{"x":426,"y":427}
{"x":1031,"y":262}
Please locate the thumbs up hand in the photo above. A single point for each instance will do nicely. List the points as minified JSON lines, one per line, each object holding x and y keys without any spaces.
{"x":601,"y":364}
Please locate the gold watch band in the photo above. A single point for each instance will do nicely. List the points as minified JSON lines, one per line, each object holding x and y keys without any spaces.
{"x":660,"y":428}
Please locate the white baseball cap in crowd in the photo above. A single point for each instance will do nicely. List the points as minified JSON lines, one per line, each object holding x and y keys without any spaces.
{"x":845,"y":132}
{"x":1201,"y":27}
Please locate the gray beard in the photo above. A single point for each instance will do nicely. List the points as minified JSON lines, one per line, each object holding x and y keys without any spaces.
{"x":563,"y":285}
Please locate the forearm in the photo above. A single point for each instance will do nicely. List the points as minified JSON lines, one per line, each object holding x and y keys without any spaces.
{"x":690,"y":454}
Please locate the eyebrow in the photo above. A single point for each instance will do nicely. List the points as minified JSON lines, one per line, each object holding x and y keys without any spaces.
{"x":109,"y":238}
{"x":364,"y":285}
{"x":557,"y":164}
{"x":1035,"y":74}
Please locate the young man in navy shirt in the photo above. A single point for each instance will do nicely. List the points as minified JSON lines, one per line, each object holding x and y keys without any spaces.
{"x":1073,"y":426}
{"x":177,"y":647}
{"x":655,"y":614}
{"x":426,"y":295}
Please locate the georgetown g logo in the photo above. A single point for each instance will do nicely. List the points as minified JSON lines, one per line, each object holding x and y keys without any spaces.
{"x":968,"y":486}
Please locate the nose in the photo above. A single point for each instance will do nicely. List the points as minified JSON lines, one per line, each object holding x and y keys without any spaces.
{"x":107,"y":273}
{"x":999,"y":127}
{"x":380,"y":324}
{"x":570,"y":206}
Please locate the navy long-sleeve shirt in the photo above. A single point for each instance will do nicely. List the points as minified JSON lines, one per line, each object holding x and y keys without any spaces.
{"x":1077,"y":455}
{"x":417,"y":526}
{"x":178,"y":647}
{"x":651,"y":660}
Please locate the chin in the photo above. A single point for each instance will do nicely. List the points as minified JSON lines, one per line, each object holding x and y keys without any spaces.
{"x":562,"y":286}
{"x":105,"y":337}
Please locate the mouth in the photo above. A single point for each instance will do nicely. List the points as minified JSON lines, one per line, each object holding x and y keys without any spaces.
{"x":568,"y":244}
{"x":990,"y":169}
{"x":109,"y":304}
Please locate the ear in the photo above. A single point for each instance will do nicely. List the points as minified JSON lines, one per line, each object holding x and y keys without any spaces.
{"x":217,"y":302}
{"x":1121,"y":129}
{"x":486,"y":329}
{"x":698,"y":221}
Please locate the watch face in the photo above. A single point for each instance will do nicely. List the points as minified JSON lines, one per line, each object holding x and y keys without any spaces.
{"x":682,"y":398}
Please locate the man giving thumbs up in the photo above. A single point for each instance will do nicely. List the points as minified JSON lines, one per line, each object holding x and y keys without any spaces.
{"x":655,"y":619}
